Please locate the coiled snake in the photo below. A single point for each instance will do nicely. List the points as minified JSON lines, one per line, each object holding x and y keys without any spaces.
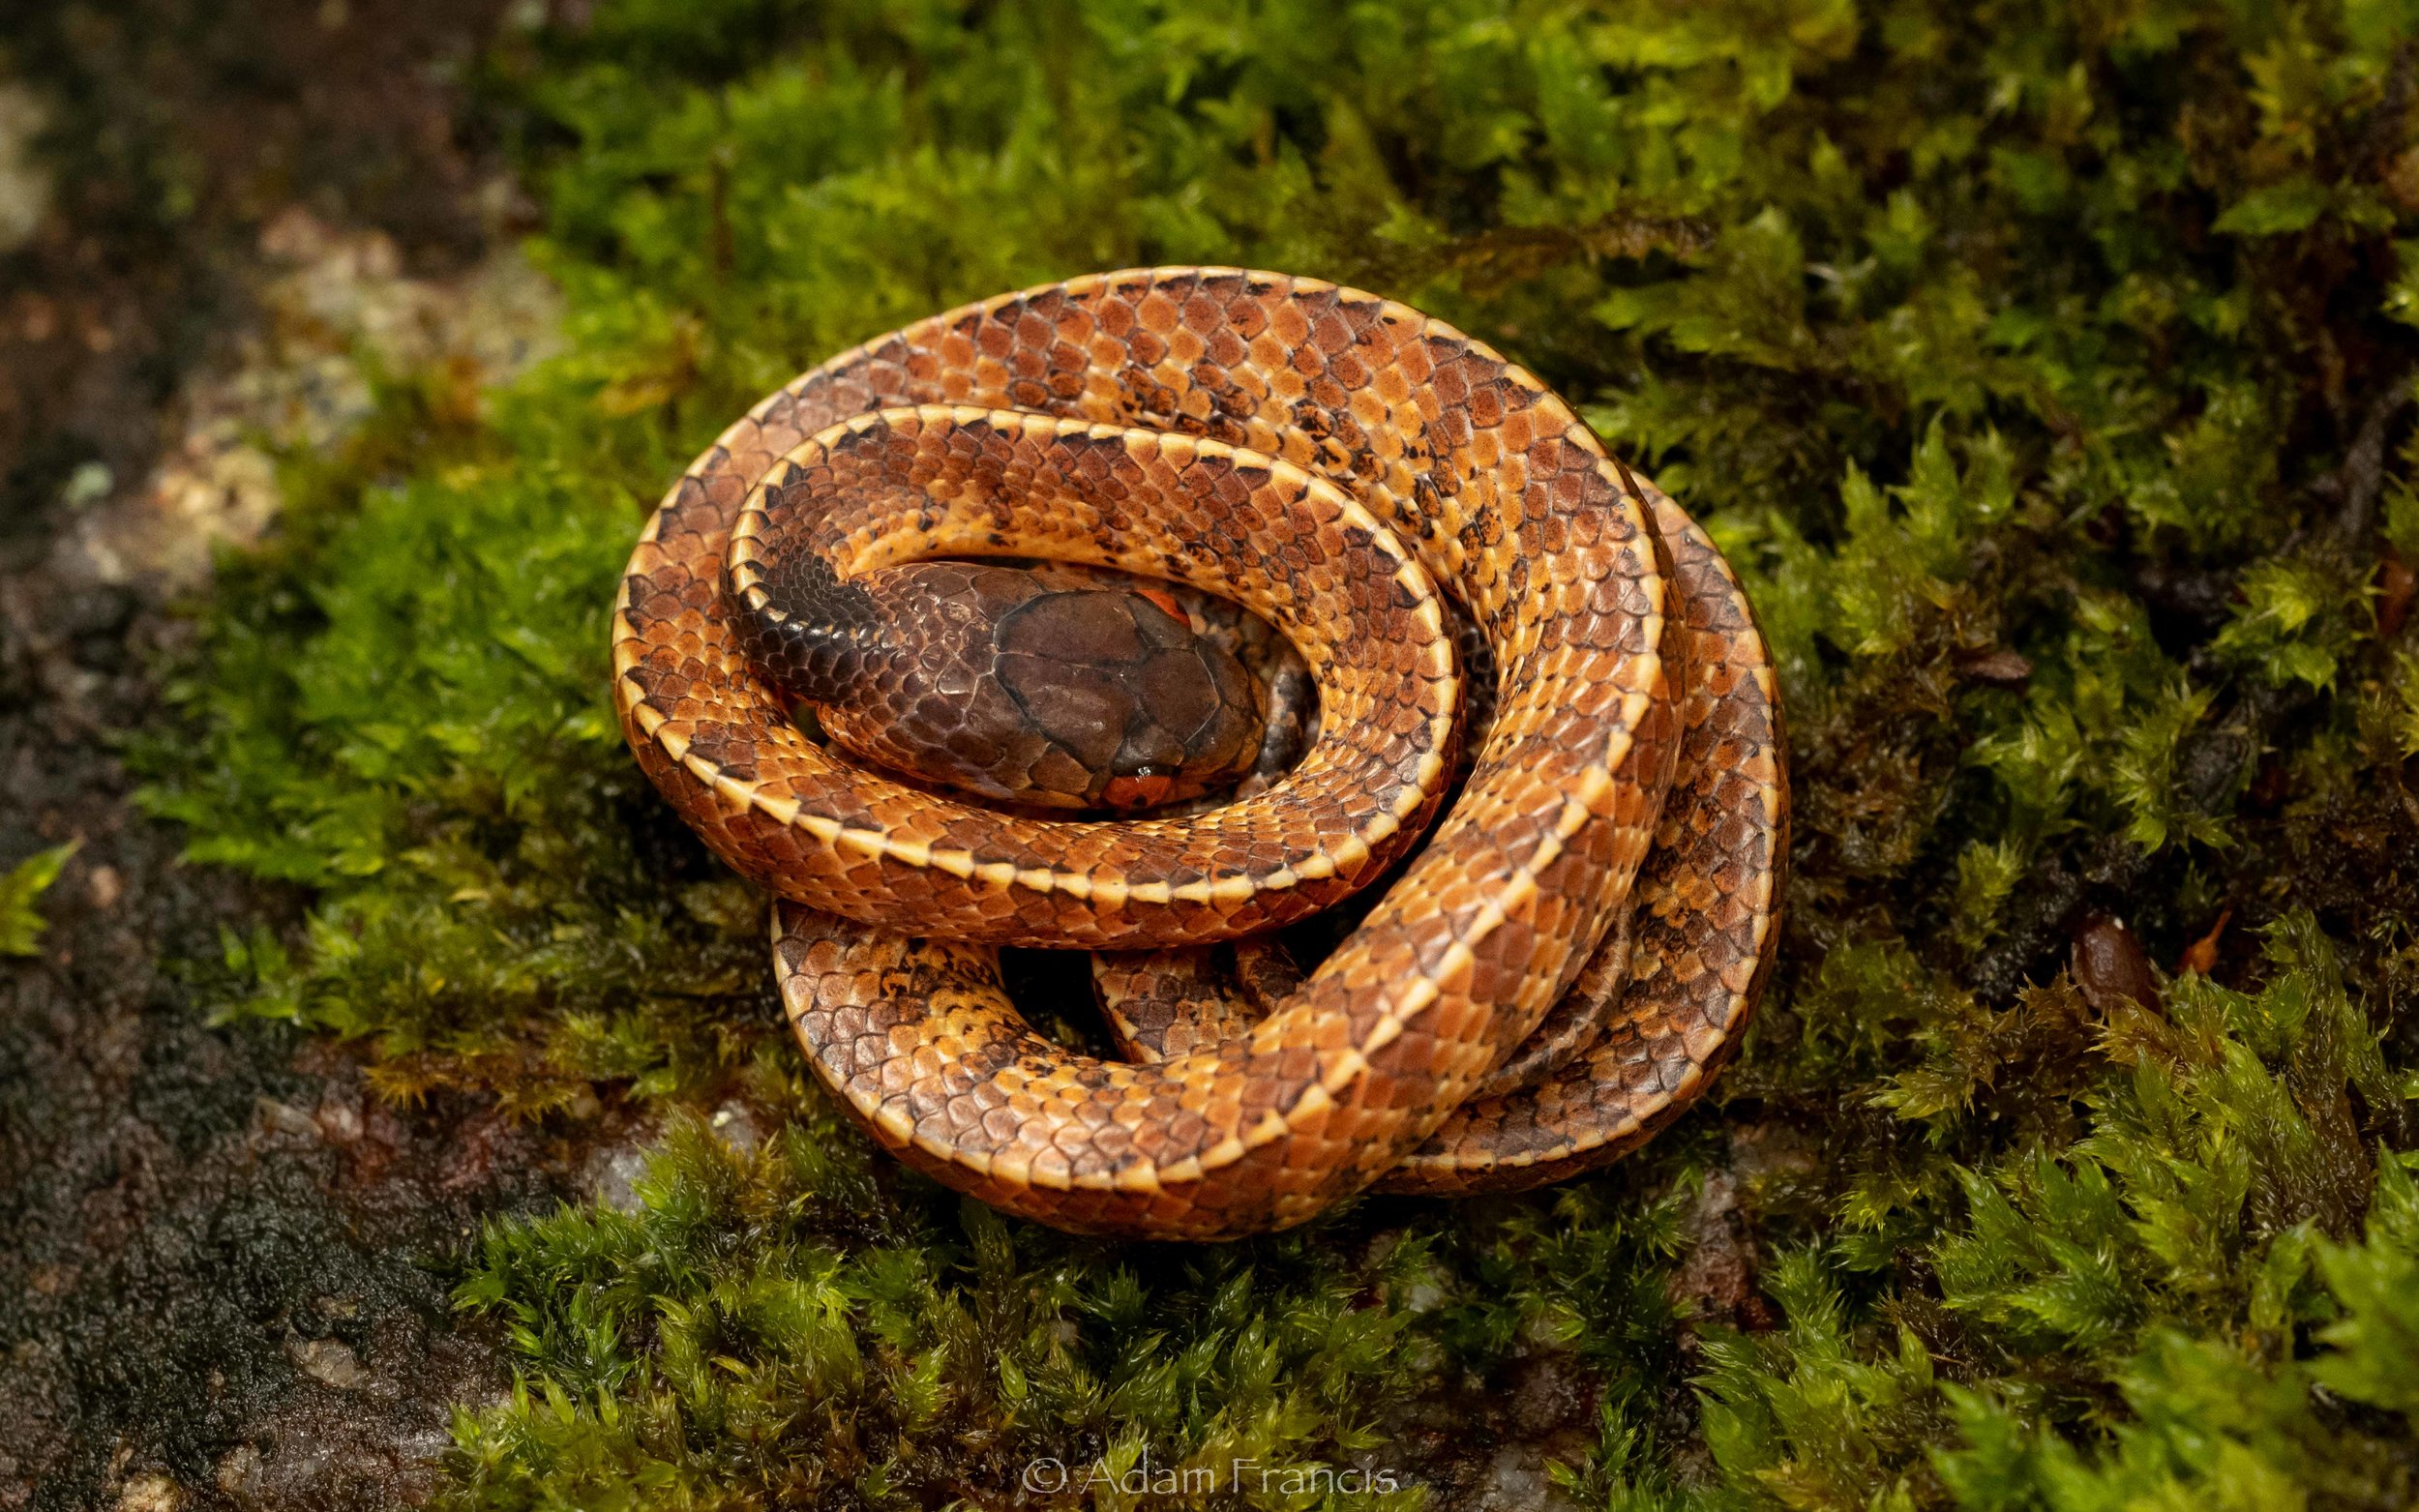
{"x":1553,"y":974}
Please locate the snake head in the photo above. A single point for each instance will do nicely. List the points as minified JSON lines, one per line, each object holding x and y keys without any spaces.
{"x":1118,"y":683}
{"x":1012,"y":686}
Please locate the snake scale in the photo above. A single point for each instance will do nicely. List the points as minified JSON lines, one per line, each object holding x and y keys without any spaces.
{"x":1564,"y":955}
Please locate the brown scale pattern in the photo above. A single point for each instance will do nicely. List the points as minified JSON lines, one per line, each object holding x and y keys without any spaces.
{"x":1261,"y":412}
{"x":1701,"y":933}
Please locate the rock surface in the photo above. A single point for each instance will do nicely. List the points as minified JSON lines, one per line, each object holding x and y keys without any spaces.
{"x":216,"y":1277}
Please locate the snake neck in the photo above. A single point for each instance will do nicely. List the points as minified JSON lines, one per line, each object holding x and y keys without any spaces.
{"x":810,"y":631}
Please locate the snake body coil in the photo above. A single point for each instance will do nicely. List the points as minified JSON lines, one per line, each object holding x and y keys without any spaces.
{"x":1554,"y":972}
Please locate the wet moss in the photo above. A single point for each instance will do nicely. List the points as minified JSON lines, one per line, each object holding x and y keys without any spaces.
{"x":2047,"y":371}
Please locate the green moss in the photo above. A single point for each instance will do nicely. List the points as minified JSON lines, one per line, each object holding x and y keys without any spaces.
{"x":782,"y":1326}
{"x":21,"y":922}
{"x":2041,"y":366}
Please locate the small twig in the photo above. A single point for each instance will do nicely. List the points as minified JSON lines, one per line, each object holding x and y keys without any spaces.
{"x":2361,"y":477}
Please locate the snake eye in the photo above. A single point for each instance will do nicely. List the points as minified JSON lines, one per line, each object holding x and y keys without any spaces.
{"x":1141,"y":789}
